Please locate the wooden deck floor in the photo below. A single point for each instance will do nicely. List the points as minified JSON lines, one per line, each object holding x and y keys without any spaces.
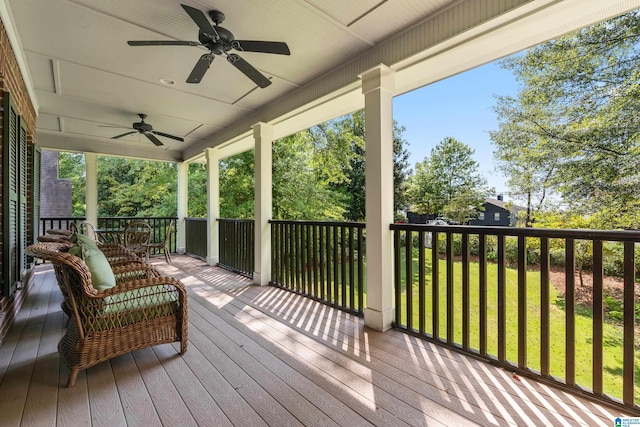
{"x":263,"y":356}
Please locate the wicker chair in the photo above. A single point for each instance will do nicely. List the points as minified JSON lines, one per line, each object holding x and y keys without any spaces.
{"x":88,"y":230}
{"x":162,"y":246}
{"x":54,"y":238}
{"x":60,"y":231}
{"x":136,"y":237}
{"x":118,"y":254}
{"x":134,"y":314}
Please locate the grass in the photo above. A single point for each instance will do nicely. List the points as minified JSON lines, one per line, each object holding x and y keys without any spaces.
{"x":612,"y":348}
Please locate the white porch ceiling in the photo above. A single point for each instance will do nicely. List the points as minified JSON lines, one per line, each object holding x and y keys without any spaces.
{"x":84,"y":75}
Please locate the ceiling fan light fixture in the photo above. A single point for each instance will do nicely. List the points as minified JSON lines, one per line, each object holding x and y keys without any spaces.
{"x":168,"y":82}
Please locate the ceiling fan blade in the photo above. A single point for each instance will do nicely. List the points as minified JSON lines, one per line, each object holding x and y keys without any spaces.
{"x":166,"y":135}
{"x":200,"y":19}
{"x":162,"y":43}
{"x":248,"y":70}
{"x":279,"y":48}
{"x":200,"y":68}
{"x":124,"y":134}
{"x":153,"y":139}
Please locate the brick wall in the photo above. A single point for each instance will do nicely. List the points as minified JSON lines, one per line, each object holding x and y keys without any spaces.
{"x":11,"y":81}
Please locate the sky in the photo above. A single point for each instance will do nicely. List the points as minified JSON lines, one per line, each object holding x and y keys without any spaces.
{"x":460,"y":107}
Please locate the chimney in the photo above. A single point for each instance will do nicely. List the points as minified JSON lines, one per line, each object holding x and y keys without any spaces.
{"x":500,"y":197}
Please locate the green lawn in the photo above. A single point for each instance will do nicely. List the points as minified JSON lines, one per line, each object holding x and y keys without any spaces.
{"x":612,"y":367}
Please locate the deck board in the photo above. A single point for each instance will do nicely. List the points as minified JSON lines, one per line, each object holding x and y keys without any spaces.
{"x":133,"y":392}
{"x":264,"y":356}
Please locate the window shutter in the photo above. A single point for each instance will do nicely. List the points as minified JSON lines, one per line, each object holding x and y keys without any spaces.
{"x":22,"y":199}
{"x":35,"y":192}
{"x":10,"y":196}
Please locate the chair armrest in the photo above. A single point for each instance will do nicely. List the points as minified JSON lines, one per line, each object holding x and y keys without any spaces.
{"x":172,"y":285}
{"x":133,"y":271}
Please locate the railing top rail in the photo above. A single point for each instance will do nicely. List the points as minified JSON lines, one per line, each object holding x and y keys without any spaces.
{"x":137,"y":217}
{"x":195,"y":219}
{"x":235,"y":220}
{"x":336,"y":223}
{"x":610,"y":235}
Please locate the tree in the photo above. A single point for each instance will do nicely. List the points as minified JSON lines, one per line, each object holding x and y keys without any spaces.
{"x":527,"y":160}
{"x":129,"y":187}
{"x":197,"y":194}
{"x":448,"y":182}
{"x":237,"y":186}
{"x":343,"y":142}
{"x":72,"y":166}
{"x":580,"y":96}
{"x":300,"y":190}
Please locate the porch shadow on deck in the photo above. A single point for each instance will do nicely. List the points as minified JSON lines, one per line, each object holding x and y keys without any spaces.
{"x":261,"y":355}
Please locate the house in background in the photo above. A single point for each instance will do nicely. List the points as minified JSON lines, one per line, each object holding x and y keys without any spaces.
{"x":496,"y":213}
{"x":55,"y":192}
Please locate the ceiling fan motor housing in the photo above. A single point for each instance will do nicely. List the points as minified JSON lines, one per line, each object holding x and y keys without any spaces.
{"x":142,"y":127}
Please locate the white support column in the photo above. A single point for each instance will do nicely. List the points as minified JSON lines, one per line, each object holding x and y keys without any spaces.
{"x":91,"y":196}
{"x":213,"y":205}
{"x":263,"y":136}
{"x":183,"y":197}
{"x":377,"y":87}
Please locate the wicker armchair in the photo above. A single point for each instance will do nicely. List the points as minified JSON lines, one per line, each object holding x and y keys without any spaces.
{"x":163,"y":245}
{"x":118,"y":254}
{"x":143,"y":311}
{"x":136,"y":237}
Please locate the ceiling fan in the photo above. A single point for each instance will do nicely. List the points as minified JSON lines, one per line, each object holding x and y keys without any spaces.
{"x":220,"y":41}
{"x":147,"y":130}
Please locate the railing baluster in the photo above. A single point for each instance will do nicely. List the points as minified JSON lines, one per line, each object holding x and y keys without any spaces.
{"x":570,"y":307}
{"x":409,"y":279}
{"x":303,"y":258}
{"x":330,"y":262}
{"x":296,"y":256}
{"x":450,"y":296}
{"x":482,"y":290}
{"x":323,"y":243}
{"x":465,"y":292}
{"x":522,"y":302}
{"x":628,"y":365}
{"x":502,"y":301}
{"x":336,"y":266}
{"x":598,"y":316}
{"x":352,"y":272}
{"x":421,"y":284}
{"x":544,"y":306}
{"x":275,"y":239}
{"x":360,"y":270}
{"x":314,"y":237}
{"x":396,"y":275}
{"x":343,"y":267}
{"x":435,"y":288}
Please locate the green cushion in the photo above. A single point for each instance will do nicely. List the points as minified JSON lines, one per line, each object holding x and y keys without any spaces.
{"x":130,"y":307}
{"x":101,"y":274}
{"x":138,"y":299}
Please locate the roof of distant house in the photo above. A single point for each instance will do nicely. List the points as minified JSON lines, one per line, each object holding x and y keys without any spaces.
{"x":502,"y":203}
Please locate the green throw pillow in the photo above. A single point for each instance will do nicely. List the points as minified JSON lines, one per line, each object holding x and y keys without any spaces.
{"x":102,"y":277}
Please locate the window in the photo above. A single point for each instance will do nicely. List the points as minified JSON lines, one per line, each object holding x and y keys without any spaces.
{"x":481,"y":216}
{"x":496,"y":216}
